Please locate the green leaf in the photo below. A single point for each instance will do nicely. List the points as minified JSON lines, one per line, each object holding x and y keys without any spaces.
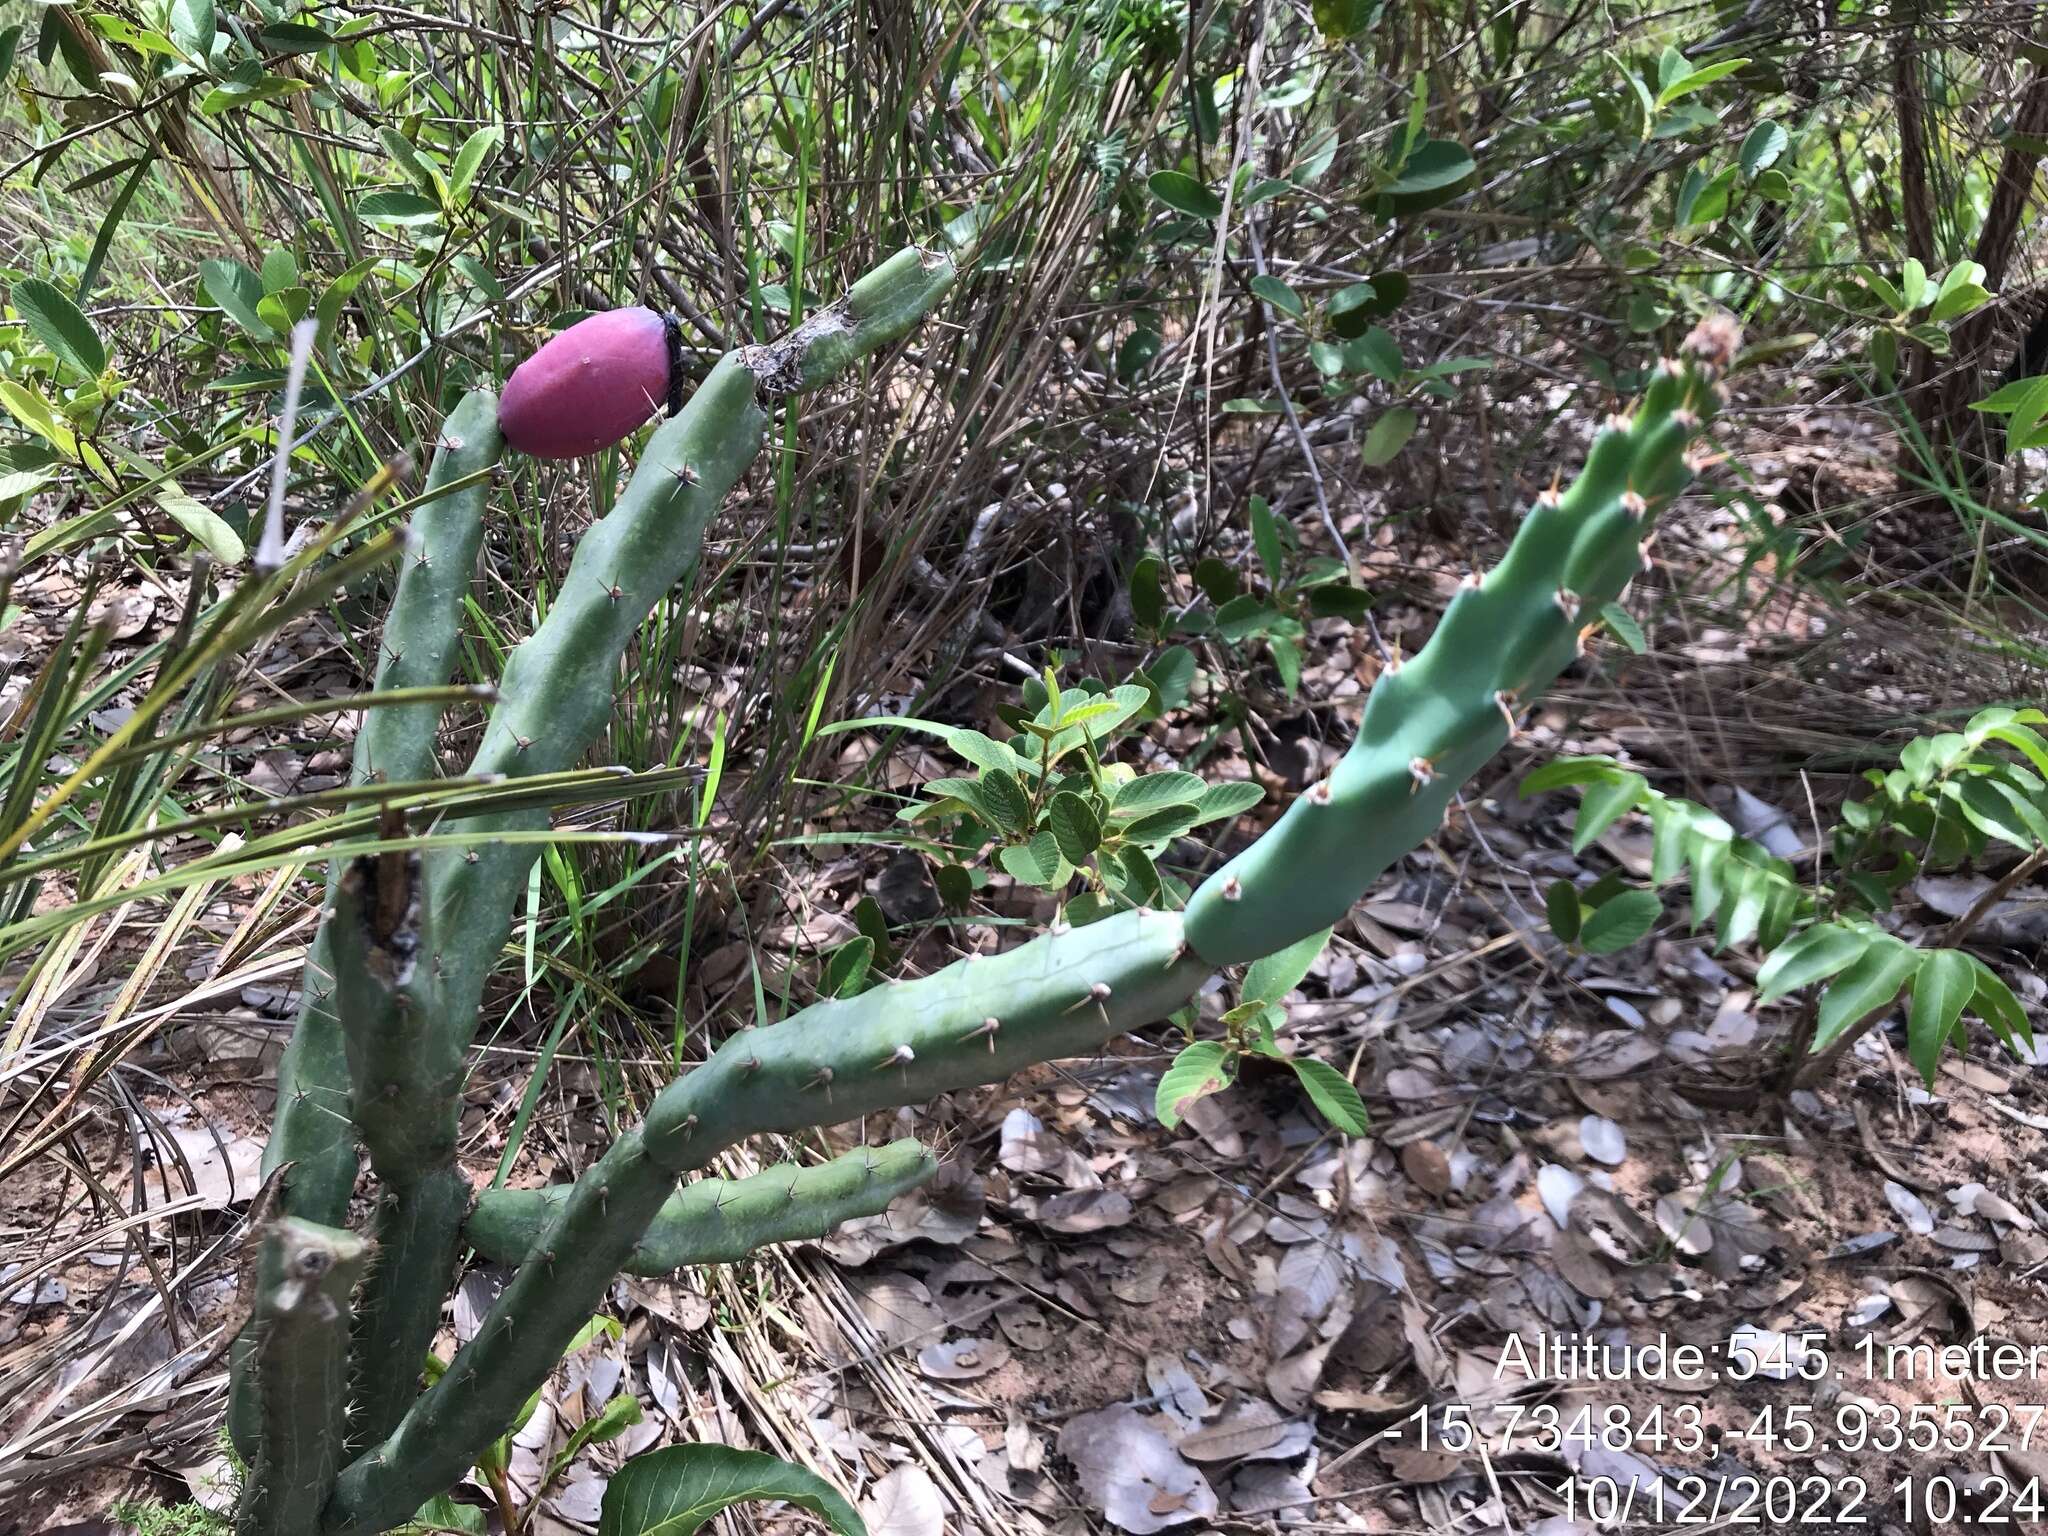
{"x":1332,"y":1093}
{"x":1351,"y":604}
{"x":1566,"y":771}
{"x":1271,"y":978}
{"x":1166,"y":822}
{"x":986,"y":752}
{"x":1820,"y":952}
{"x":1703,"y":198}
{"x":1183,"y":194}
{"x":1992,"y":813}
{"x":1993,"y":1001}
{"x":2014,"y":396}
{"x":1198,"y":1071}
{"x":193,"y":26}
{"x":1942,"y":987}
{"x":847,"y":971}
{"x":1868,"y":985}
{"x":441,"y":1515}
{"x":246,"y":90}
{"x":1696,"y":80}
{"x":1279,"y":295}
{"x":1625,"y":628}
{"x":30,"y":408}
{"x":59,"y":325}
{"x":869,"y":919}
{"x":1773,"y":186}
{"x":238,"y":291}
{"x":1232,"y":798}
{"x":1140,"y":877}
{"x":618,"y":1416}
{"x":1761,"y":147}
{"x":1619,"y":922}
{"x":1431,"y":166}
{"x":1150,"y":791}
{"x":1339,"y":19}
{"x":1913,"y":283}
{"x":1216,"y":579}
{"x":672,"y":1492}
{"x":1962,"y":290}
{"x":1075,"y":826}
{"x":1266,"y":540}
{"x":1388,"y":436}
{"x":1173,"y":674}
{"x":1561,"y":905}
{"x":1038,"y":862}
{"x":293,"y":37}
{"x":1959,"y":301}
{"x":1148,"y":598}
{"x":1006,"y":800}
{"x":469,"y":159}
{"x":1375,"y":352}
{"x":955,"y":884}
{"x":1604,"y":803}
{"x":206,"y":527}
{"x":395,"y":206}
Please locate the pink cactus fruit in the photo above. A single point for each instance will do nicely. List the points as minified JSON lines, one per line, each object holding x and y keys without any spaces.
{"x":589,"y":386}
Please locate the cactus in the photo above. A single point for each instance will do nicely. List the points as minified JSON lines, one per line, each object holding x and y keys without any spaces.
{"x":588,"y":386}
{"x":1430,"y":723}
{"x":720,"y":1221}
{"x":305,"y":1274}
{"x":397,"y":972}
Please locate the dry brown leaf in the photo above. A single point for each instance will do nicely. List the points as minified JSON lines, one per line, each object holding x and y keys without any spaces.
{"x":1132,"y":1472}
{"x":1252,"y":1431}
{"x":1427,"y":1167}
{"x":905,"y":1503}
{"x":962,"y":1359}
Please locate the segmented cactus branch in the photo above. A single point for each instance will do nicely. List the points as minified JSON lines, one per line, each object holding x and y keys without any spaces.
{"x":312,"y":1135}
{"x":553,"y":701}
{"x":312,"y":1131}
{"x":406,"y":1071}
{"x":719,"y":1221}
{"x":977,"y":1021}
{"x":305,"y":1274}
{"x":1431,"y":723}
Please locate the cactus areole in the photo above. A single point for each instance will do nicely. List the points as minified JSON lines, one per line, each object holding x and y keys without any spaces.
{"x":589,"y":386}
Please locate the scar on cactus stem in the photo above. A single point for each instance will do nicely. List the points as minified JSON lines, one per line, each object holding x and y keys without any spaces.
{"x":590,"y":385}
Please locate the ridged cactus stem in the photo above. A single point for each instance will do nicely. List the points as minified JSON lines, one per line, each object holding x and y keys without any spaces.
{"x":558,"y":687}
{"x":1430,"y":724}
{"x":305,"y":1274}
{"x":719,"y":1221}
{"x":405,"y":1068}
{"x":312,"y":1131}
{"x":977,"y":1021}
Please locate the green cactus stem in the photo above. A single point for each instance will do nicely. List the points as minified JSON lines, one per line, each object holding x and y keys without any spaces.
{"x":976,"y":1021}
{"x":553,"y":701}
{"x":719,"y":1221}
{"x":421,"y":632}
{"x":876,"y":310}
{"x":405,"y":1075}
{"x":1430,"y":724}
{"x":312,"y":1136}
{"x":305,"y":1274}
{"x":417,"y":1232}
{"x":406,"y":1098}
